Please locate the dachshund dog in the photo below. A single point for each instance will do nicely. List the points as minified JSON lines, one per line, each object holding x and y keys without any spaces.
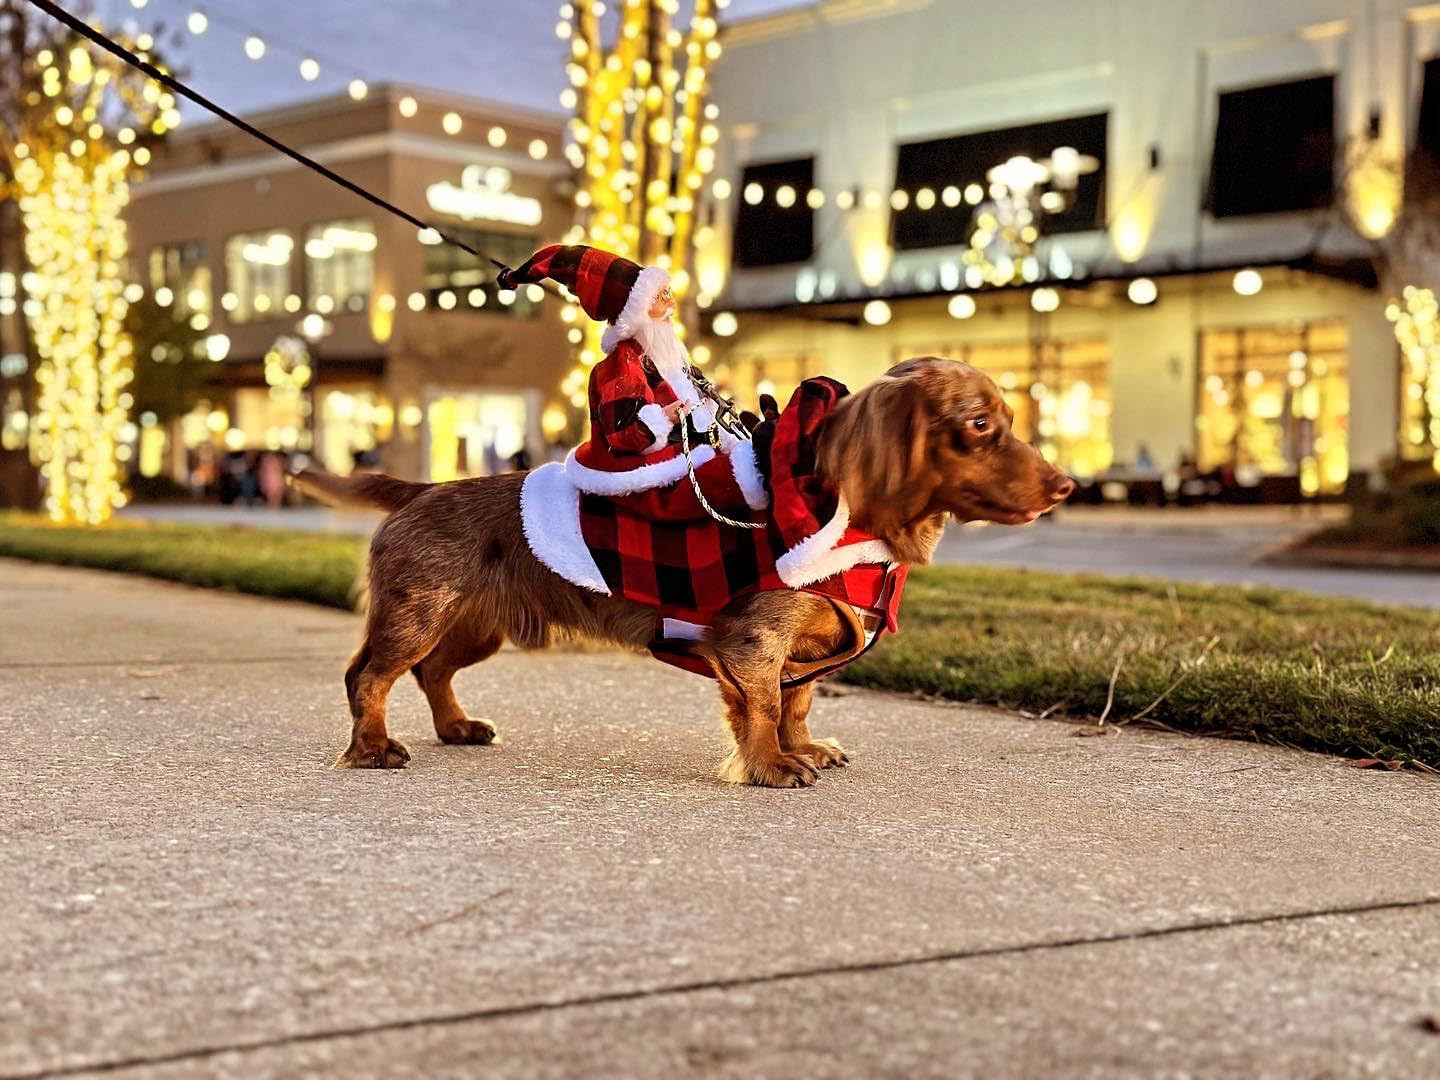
{"x":451,"y":577}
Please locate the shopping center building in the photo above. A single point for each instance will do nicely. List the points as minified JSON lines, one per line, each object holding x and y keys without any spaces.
{"x":334,"y":325}
{"x":1200,"y":290}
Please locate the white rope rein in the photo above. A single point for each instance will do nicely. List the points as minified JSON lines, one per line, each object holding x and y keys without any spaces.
{"x":695,"y":481}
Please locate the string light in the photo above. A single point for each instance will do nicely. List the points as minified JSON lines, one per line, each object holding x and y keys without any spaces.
{"x":309,"y":69}
{"x":359,"y":89}
{"x":408,"y":107}
{"x":197,"y":23}
{"x":254,"y":47}
{"x":451,"y":123}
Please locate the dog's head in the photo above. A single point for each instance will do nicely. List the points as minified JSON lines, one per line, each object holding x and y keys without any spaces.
{"x":934,"y":436}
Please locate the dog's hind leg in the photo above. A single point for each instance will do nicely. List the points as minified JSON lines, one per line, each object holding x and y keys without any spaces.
{"x":795,"y":730}
{"x":468,"y":642}
{"x":399,"y":632}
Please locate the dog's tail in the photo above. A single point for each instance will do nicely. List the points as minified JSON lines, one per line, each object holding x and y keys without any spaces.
{"x":371,"y":489}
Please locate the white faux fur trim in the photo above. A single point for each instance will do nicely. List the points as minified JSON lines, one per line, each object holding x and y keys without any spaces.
{"x":837,"y":561}
{"x":817,"y":557}
{"x":550,"y":518}
{"x":637,"y":306}
{"x":747,"y":475}
{"x":659,"y":424}
{"x":641,"y":478}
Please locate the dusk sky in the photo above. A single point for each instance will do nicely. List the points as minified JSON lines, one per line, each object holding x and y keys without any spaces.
{"x":504,"y":50}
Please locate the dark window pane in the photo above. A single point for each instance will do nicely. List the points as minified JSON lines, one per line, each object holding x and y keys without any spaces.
{"x":767,"y":233}
{"x":959,"y":161}
{"x":1275,"y":149}
{"x":1427,"y":137}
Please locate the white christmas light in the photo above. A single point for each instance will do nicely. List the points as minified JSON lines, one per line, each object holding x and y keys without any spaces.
{"x":725,"y":324}
{"x":1142,"y":291}
{"x":877,"y":313}
{"x":452,"y":123}
{"x":1045,"y":300}
{"x":359,"y":89}
{"x":408,"y":107}
{"x":254,"y":47}
{"x":309,"y":69}
{"x":961,"y":307}
{"x":1248,"y":282}
{"x":197,"y":22}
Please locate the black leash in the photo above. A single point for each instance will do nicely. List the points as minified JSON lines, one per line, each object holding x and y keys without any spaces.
{"x":116,"y":49}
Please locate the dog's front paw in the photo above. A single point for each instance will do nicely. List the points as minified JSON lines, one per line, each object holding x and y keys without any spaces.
{"x":390,"y":756}
{"x":781,"y":771}
{"x":825,"y":754}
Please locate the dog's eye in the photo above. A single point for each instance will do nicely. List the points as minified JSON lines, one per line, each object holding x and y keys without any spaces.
{"x":980,"y":423}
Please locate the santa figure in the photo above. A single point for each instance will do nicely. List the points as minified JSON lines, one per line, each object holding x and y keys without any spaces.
{"x":641,"y":393}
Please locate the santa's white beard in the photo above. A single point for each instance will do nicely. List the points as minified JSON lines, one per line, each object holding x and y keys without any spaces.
{"x":664,"y":349}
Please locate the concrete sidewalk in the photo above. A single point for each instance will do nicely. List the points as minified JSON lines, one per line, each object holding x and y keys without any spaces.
{"x":190,"y":891}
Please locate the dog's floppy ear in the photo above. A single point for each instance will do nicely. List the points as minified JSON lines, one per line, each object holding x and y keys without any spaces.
{"x":876,"y":450}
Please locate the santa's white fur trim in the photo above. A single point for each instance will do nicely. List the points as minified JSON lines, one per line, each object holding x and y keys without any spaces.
{"x":641,"y":478}
{"x":550,"y":518}
{"x":817,"y":557}
{"x":747,"y":475}
{"x":637,"y":306}
{"x":659,"y":424}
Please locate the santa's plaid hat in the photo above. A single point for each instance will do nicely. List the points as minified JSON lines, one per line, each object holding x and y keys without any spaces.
{"x":609,"y":287}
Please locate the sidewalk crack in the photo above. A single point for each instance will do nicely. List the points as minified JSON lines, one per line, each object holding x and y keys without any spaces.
{"x":735,"y":983}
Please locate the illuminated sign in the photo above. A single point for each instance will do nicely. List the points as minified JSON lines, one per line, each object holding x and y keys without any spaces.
{"x":483,"y":194}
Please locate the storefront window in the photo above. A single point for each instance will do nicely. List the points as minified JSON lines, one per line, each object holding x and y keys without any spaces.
{"x":1275,"y":401}
{"x":353,"y":426}
{"x":455,"y":280}
{"x":183,"y":270}
{"x":475,"y":434}
{"x":1060,"y":391}
{"x":257,"y":274}
{"x":340,"y":265}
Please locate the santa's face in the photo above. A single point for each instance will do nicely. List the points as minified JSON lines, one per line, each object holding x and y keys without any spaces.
{"x":663,"y":306}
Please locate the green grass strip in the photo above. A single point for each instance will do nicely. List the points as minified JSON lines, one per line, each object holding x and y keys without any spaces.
{"x":1317,"y":673}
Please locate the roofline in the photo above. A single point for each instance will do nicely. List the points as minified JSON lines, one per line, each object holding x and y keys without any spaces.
{"x":817,"y":13}
{"x":330,"y":104}
{"x":1358,"y":272}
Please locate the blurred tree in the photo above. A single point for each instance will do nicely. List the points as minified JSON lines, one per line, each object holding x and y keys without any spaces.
{"x":75,"y":126}
{"x":642,"y":140}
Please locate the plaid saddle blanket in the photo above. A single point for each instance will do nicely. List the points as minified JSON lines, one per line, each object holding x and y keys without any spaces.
{"x":689,"y":571}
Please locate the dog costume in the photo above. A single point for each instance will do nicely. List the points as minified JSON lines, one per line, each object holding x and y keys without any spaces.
{"x":687,"y":572}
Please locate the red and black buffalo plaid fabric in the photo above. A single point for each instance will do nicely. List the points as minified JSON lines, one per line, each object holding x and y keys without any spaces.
{"x":689,"y":571}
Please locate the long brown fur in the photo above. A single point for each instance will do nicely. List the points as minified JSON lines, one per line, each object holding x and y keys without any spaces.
{"x":451,"y":577}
